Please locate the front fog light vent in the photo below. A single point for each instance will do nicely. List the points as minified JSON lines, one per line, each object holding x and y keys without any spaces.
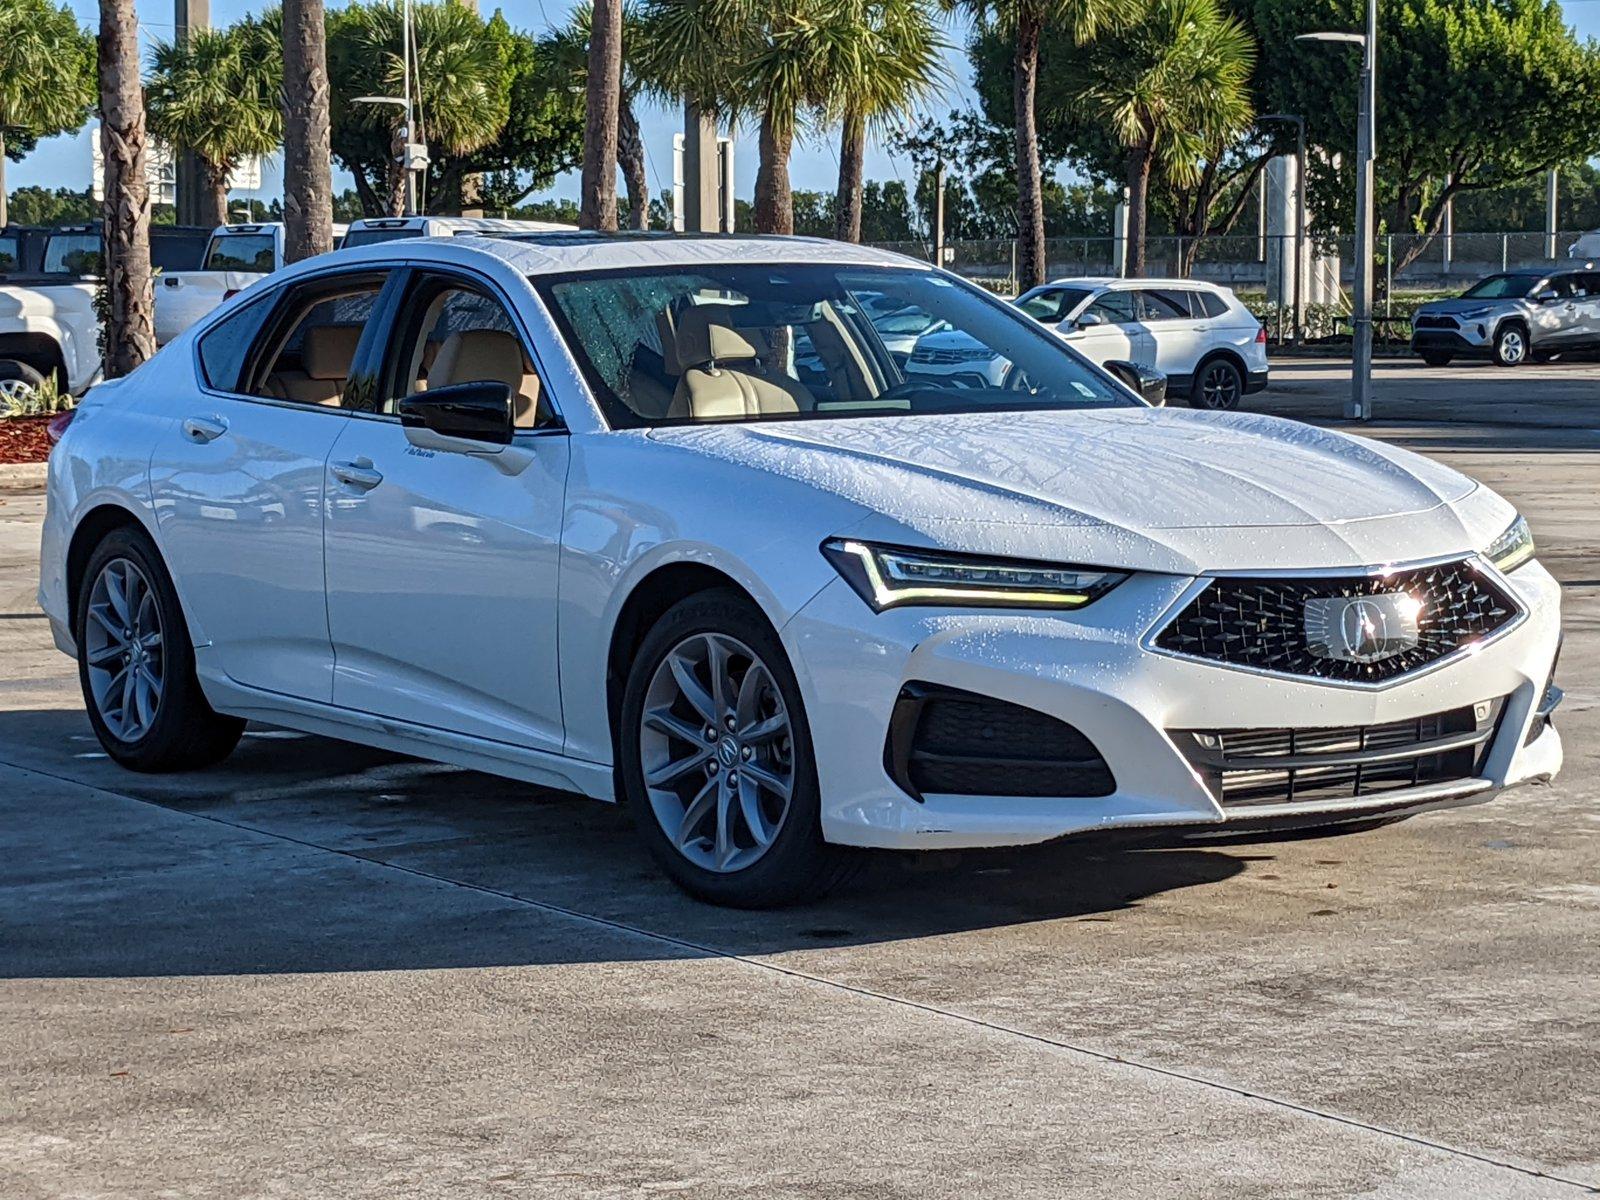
{"x":946,"y":741}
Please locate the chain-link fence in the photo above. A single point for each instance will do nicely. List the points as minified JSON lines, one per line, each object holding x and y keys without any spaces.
{"x":1247,"y":263}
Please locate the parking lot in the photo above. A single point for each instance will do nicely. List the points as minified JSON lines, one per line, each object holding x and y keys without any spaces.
{"x":325,"y":971}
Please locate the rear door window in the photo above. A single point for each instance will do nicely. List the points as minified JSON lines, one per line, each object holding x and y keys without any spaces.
{"x":1165,"y":305}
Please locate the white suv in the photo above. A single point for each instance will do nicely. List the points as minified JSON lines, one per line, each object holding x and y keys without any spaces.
{"x":1207,"y":343}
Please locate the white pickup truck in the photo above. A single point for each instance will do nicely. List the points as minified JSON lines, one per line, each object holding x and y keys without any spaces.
{"x":48,"y":323}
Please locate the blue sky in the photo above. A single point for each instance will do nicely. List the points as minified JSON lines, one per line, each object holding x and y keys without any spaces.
{"x":66,"y":161}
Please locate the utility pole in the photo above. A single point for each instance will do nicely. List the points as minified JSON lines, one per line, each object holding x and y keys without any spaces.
{"x":189,"y":16}
{"x":702,"y":213}
{"x":1552,"y":198}
{"x":938,"y":213}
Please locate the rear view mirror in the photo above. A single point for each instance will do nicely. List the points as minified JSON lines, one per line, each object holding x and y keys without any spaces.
{"x":1148,"y":382}
{"x":473,"y":412}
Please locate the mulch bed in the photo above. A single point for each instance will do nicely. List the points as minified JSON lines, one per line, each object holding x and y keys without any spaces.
{"x":23,"y":440}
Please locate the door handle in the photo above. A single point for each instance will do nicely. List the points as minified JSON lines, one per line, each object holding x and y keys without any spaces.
{"x":201,"y":430}
{"x":358,"y":474}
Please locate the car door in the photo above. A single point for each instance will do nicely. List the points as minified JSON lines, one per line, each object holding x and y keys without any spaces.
{"x":1177,"y":336}
{"x":1558,"y":317}
{"x":442,"y":560}
{"x":1113,"y":330}
{"x":1588,"y":285}
{"x":238,"y":487}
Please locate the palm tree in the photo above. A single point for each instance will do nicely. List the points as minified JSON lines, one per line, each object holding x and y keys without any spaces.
{"x":46,"y":75}
{"x":1171,"y":85}
{"x":130,"y":318}
{"x":307,"y":165}
{"x":894,"y":62}
{"x":570,"y":47}
{"x":598,"y":204}
{"x":458,"y":81}
{"x":216,"y":93}
{"x":1026,"y":20}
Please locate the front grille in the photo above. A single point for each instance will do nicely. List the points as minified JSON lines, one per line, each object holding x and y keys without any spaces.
{"x":1260,"y":622}
{"x":941,"y":357}
{"x":1249,"y":768}
{"x":943,"y":740}
{"x":1432,"y":322}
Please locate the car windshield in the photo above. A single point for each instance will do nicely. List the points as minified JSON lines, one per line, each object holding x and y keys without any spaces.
{"x":1054,"y":304}
{"x":240,"y":252}
{"x":1502,"y":287}
{"x":697,"y":344}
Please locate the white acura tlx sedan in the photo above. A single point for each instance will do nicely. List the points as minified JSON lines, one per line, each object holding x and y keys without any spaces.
{"x":664,"y":520}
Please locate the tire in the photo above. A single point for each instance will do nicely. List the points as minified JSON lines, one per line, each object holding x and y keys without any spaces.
{"x":1437,"y":358}
{"x":161,"y":722}
{"x":19,"y":386}
{"x":699,"y":819}
{"x":1510,"y":345}
{"x":1218,"y":386}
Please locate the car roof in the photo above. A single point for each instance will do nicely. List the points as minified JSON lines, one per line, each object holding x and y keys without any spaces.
{"x":558,"y":253}
{"x":1117,"y":283}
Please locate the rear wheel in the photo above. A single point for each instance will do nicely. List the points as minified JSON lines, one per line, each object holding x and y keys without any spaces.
{"x":1437,"y":358}
{"x":136,"y":664}
{"x":1218,"y":386}
{"x":716,"y":759}
{"x":1510,"y":345}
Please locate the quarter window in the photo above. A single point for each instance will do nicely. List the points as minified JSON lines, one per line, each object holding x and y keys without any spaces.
{"x":1213,"y":304}
{"x":225,"y":347}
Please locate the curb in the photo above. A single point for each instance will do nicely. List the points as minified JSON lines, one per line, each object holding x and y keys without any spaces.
{"x":23,"y":475}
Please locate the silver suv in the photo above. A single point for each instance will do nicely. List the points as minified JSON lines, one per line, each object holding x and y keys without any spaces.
{"x":1513,"y":317}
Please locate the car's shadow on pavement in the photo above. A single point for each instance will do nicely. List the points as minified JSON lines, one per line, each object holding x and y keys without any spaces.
{"x":314,"y":855}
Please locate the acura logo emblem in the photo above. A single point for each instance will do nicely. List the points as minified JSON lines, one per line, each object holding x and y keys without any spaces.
{"x":1362,"y":629}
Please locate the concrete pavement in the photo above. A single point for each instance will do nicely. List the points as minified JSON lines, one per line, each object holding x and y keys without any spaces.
{"x":325,"y":971}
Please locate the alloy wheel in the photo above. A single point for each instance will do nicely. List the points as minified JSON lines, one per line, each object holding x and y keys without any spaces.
{"x":16,"y":397}
{"x":123,"y":650}
{"x":1219,"y":386}
{"x":1512,"y":347}
{"x":716,"y":748}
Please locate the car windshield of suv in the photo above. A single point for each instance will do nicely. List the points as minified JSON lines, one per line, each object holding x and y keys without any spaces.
{"x":1054,"y":305}
{"x":1502,"y":287}
{"x":690,"y":345}
{"x":240,"y":252}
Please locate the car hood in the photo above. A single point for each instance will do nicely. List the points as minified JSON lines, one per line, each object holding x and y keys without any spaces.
{"x":1459,"y":305}
{"x":1153,"y":489}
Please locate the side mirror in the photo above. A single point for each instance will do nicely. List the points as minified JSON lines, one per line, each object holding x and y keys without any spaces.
{"x":1089,"y":320}
{"x":1148,"y":382}
{"x":1546,"y":296}
{"x":470,"y":412}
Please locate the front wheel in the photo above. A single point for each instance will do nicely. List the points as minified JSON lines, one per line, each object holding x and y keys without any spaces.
{"x":1510,"y":346}
{"x":716,"y":762}
{"x":1218,"y":386}
{"x":136,"y":664}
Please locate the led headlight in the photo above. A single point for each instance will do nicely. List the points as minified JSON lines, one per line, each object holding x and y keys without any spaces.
{"x":887,"y":576}
{"x":1512,"y":548}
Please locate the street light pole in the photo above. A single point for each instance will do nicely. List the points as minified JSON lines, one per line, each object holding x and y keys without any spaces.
{"x":1359,"y":407}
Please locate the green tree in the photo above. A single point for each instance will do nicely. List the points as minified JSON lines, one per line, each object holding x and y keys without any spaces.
{"x":1171,"y":85}
{"x":461,"y":88}
{"x":1023,"y":22}
{"x":47,"y":78}
{"x":215,"y":92}
{"x":892,"y":60}
{"x":1472,"y":95}
{"x":35,"y":205}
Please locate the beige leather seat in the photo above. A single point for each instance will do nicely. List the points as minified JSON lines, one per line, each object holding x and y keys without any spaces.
{"x":325,"y":358}
{"x":477,"y":355}
{"x":722,"y":372}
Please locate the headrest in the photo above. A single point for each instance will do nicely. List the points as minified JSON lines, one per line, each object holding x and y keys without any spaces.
{"x":704,"y":336}
{"x":329,"y":350}
{"x":474,"y":355}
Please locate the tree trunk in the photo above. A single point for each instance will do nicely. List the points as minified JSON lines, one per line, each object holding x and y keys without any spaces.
{"x":307,"y":166}
{"x":371,"y":203}
{"x":852,"y":161}
{"x":630,"y":156}
{"x":130,"y":320}
{"x":774,"y":200}
{"x":5,"y":214}
{"x":1030,"y":188}
{"x":214,"y":199}
{"x":598,"y":207}
{"x":396,"y":175}
{"x":1138,"y":199}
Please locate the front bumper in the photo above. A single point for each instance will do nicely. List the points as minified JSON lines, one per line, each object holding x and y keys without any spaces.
{"x":1093,"y":671}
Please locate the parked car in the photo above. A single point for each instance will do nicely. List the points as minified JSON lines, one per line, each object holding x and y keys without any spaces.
{"x":48,"y":324}
{"x":1512,"y":317}
{"x":1587,"y":245}
{"x":562,"y":510}
{"x":235,"y":257}
{"x":1208,"y":345}
{"x":370,"y":230}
